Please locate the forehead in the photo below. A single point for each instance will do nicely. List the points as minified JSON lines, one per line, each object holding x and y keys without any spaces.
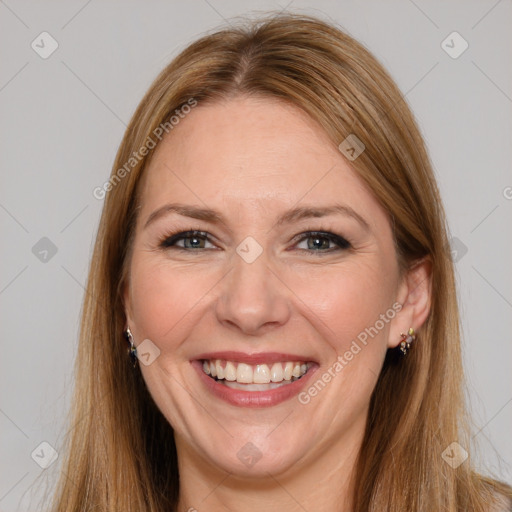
{"x":250,"y":153}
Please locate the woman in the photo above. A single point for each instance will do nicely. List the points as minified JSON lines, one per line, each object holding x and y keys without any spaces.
{"x":273,"y":249}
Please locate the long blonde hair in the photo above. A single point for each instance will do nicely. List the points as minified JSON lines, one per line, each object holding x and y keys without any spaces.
{"x":120,"y":450}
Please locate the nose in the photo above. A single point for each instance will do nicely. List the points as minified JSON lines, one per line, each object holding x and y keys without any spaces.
{"x":253,"y":299}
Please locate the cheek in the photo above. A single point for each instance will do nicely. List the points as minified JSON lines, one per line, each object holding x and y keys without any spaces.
{"x":349,"y":301}
{"x":163,"y":296}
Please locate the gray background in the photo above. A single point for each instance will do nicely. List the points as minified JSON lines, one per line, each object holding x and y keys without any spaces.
{"x":63,"y":118}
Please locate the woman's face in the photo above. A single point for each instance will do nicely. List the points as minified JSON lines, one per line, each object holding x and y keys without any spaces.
{"x":294,"y":269}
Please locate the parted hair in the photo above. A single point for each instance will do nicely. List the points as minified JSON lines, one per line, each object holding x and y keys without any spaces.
{"x":120,"y":454}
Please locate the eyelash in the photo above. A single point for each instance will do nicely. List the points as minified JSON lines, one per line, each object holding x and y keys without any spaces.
{"x":170,"y":239}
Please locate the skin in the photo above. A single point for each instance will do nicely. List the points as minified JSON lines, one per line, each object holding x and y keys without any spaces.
{"x":252,"y":159}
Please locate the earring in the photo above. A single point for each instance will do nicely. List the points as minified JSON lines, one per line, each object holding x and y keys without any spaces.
{"x":132,"y":351}
{"x":407,"y":339}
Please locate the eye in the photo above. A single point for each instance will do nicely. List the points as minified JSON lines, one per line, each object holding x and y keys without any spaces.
{"x":321,"y":242}
{"x":314,"y":241}
{"x":187,"y":240}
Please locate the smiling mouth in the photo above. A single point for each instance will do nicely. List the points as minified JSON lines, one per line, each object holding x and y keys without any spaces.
{"x":257,"y":377}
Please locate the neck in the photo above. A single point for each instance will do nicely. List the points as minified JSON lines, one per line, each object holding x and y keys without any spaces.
{"x":324,"y":482}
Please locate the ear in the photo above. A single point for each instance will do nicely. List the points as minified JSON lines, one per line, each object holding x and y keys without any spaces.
{"x":414,"y":294}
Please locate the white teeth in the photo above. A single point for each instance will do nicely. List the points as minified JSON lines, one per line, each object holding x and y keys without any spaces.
{"x":254,"y":387}
{"x":230,"y":371}
{"x":220,"y":370}
{"x":244,"y":373}
{"x":276,"y":372}
{"x":296,"y":370}
{"x":287,"y":373}
{"x":260,"y":374}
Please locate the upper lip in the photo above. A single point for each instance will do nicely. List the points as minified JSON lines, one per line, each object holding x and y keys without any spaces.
{"x":254,"y":358}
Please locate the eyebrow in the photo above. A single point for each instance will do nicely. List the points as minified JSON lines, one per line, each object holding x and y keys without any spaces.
{"x":296,"y":214}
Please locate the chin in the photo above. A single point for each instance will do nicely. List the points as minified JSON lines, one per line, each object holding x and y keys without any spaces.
{"x":257,"y":458}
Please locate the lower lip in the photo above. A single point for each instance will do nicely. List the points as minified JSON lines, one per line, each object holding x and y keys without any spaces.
{"x":243,"y":398}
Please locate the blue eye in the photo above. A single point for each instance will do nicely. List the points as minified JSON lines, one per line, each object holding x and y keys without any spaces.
{"x":191,"y":240}
{"x":319,"y":241}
